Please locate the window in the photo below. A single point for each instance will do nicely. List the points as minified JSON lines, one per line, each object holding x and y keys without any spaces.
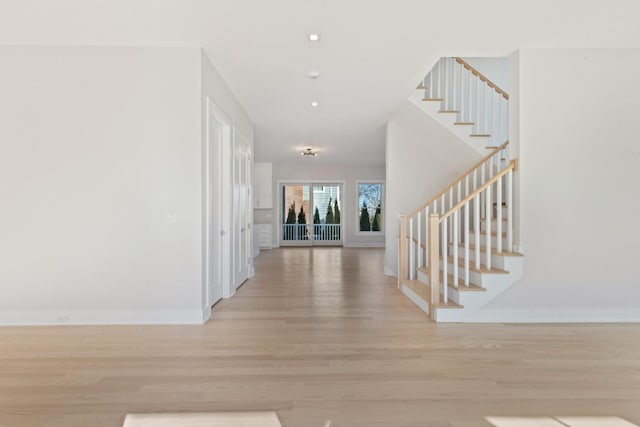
{"x":370,"y":207}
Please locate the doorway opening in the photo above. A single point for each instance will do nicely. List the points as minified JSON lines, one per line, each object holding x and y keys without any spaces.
{"x":311,"y":214}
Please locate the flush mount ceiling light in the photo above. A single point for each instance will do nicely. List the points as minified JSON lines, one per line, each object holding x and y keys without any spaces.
{"x":313,"y":75}
{"x":314,"y":104}
{"x":314,"y":37}
{"x":309,"y":152}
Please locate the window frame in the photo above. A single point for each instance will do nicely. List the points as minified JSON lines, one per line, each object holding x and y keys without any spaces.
{"x":382,"y":210}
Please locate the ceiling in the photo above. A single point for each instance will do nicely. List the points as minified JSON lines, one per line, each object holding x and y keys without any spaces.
{"x":371,"y":55}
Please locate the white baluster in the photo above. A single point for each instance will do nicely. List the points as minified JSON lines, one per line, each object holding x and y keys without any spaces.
{"x":466,"y":244}
{"x":445,"y":261}
{"x":510,"y":211}
{"x":483,"y":176}
{"x":426,"y":236}
{"x":468,"y":93}
{"x":476,"y":228}
{"x":459,"y":198}
{"x":488,"y":227}
{"x":411,"y":250}
{"x":499,"y":214}
{"x":460,"y":79}
{"x":419,"y":224}
{"x":475,"y":187}
{"x":443,"y":207}
{"x":486,"y":107}
{"x":450,"y":206}
{"x":454,"y":91}
{"x":466,"y":186}
{"x":445,"y":82}
{"x":494,"y":126}
{"x":456,"y":225}
{"x":499,"y":139}
{"x":477,"y":120}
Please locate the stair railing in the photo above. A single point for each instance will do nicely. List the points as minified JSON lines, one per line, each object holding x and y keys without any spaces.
{"x":415,"y":232}
{"x":451,"y":234}
{"x":478,"y":101}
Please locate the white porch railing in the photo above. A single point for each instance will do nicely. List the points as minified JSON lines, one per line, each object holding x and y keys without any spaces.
{"x":317,"y":232}
{"x":476,"y":99}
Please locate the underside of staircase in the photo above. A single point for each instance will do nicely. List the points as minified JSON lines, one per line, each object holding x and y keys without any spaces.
{"x":457,"y":249}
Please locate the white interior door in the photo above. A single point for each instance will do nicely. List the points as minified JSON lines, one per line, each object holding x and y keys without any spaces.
{"x":241,"y":209}
{"x":215,"y":254}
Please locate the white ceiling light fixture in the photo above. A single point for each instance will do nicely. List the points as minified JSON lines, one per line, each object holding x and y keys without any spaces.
{"x":314,"y":37}
{"x":309,"y":152}
{"x":313,"y":75}
{"x":314,"y":104}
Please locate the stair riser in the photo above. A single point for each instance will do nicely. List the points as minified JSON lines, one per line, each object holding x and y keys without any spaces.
{"x":454,"y":295}
{"x":475,"y":278}
{"x":483,"y":241}
{"x":497,"y":261}
{"x":494,"y":225}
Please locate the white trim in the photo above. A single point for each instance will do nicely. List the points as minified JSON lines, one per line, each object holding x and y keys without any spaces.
{"x":382,"y":203}
{"x":103,"y":317}
{"x":415,"y":298}
{"x":364,"y":245}
{"x":279,"y":214}
{"x":216,"y":113}
{"x":559,"y":315}
{"x":389,"y":272}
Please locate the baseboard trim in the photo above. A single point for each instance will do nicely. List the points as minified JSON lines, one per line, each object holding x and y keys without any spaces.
{"x":104,"y":317}
{"x":364,"y":245}
{"x":560,"y":315}
{"x":389,"y":272}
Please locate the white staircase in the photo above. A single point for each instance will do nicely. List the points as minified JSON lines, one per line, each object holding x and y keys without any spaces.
{"x":465,"y":102}
{"x":457,"y":249}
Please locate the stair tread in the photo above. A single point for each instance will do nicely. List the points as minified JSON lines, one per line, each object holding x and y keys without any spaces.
{"x":494,"y":251}
{"x":423,"y":292}
{"x":480,"y":135}
{"x":422,"y":88}
{"x":464,"y":124}
{"x":449,"y":111}
{"x":493,"y":233}
{"x":432,"y":99}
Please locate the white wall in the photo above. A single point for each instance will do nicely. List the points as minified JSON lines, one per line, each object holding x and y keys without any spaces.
{"x":580,"y":169}
{"x":337,"y":173}
{"x":98,"y":144}
{"x":495,"y":69}
{"x":423,"y":157}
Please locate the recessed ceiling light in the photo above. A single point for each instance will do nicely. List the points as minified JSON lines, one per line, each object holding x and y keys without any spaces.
{"x":314,"y":104}
{"x":314,"y":37}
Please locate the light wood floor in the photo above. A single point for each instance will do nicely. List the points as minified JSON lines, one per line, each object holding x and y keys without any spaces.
{"x":319,"y":334}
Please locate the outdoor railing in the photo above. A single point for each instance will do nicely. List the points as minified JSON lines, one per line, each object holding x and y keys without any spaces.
{"x":300,"y":232}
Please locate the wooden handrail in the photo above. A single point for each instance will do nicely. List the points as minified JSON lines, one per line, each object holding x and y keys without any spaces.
{"x":511,"y":166}
{"x":482,"y":77}
{"x":437,"y":196}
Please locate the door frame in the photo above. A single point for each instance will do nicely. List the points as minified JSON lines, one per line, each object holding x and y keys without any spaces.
{"x":239,"y":138}
{"x":224,"y":171}
{"x":343,"y":215}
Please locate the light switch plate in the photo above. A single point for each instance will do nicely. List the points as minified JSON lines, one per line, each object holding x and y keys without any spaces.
{"x":171,"y":217}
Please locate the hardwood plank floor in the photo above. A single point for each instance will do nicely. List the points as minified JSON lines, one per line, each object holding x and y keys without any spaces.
{"x":319,"y":334}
